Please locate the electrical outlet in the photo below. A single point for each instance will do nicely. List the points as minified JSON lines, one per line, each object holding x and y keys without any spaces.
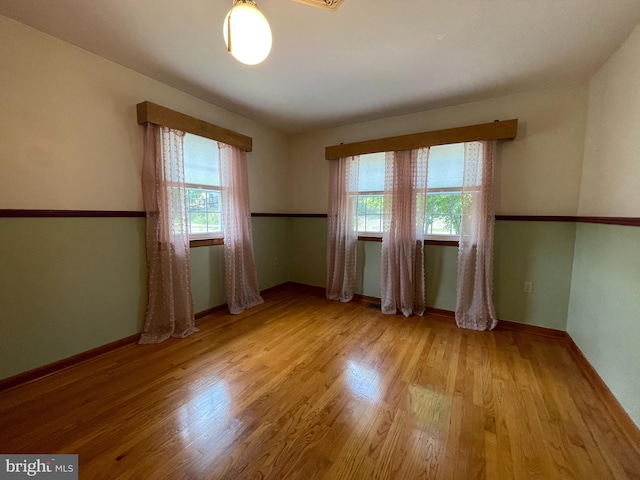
{"x":528,"y":287}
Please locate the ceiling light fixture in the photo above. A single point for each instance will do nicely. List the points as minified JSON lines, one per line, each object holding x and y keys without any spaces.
{"x":247,"y":33}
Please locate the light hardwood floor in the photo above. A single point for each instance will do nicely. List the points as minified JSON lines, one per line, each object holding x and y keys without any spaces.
{"x":302,"y":388}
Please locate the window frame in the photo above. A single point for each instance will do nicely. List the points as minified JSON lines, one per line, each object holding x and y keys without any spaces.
{"x":200,"y":239}
{"x":209,"y":234}
{"x":437,"y":191}
{"x":148,"y":112}
{"x":373,"y":193}
{"x":431,"y":238}
{"x":496,"y":130}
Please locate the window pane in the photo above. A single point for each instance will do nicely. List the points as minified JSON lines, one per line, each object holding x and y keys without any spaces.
{"x":443,"y":206}
{"x":428,"y":222}
{"x":371,"y":173}
{"x":213,"y":201}
{"x":374,"y":204}
{"x":446,"y":166}
{"x":362,"y":204}
{"x":455,"y":224}
{"x":441,"y":225}
{"x":457,"y":204}
{"x":441,"y":203}
{"x":374,"y":224}
{"x":201,"y":164}
{"x":443,"y":213}
{"x":203,"y":210}
{"x":213,"y":221}
{"x":370,"y":213}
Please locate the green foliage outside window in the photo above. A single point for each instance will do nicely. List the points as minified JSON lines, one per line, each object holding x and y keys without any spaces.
{"x":203,"y":210}
{"x":370,"y":210}
{"x":442,"y":217}
{"x":444,"y":213}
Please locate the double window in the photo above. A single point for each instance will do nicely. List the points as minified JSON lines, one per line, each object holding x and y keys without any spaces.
{"x":444,"y":192}
{"x":202,"y":187}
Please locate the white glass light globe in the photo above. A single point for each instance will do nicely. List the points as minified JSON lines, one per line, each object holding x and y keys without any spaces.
{"x":250,"y":34}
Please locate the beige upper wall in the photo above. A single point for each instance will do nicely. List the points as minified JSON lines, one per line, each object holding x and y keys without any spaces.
{"x":611,"y":170}
{"x":69,"y":137}
{"x":537,"y":174}
{"x":70,"y":141}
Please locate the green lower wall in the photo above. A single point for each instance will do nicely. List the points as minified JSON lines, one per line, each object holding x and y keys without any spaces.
{"x":441,"y":264}
{"x":270,"y":248}
{"x":68,"y":285}
{"x":207,"y":277}
{"x":540,"y":252}
{"x":604,"y":310}
{"x":440,"y":273}
{"x":308,"y":253}
{"x":308,"y":263}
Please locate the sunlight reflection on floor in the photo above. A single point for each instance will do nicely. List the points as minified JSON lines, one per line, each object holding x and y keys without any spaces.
{"x":363,"y":381}
{"x":205,"y":419}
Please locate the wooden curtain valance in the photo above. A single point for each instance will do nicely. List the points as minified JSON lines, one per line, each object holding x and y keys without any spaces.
{"x":151,"y":113}
{"x":498,"y":130}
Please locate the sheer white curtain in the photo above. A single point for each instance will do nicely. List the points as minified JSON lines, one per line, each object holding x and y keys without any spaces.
{"x":342,"y":235}
{"x":170,"y":308}
{"x":474,"y":309}
{"x":405,"y":197}
{"x":241,"y":278}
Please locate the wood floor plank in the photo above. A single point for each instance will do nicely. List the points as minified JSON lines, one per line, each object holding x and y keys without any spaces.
{"x":302,"y":388}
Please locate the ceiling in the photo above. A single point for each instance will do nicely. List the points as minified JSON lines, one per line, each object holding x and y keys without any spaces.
{"x":368,"y":59}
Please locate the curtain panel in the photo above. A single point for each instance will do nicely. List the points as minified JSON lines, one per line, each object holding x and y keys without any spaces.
{"x":342,"y":235}
{"x":241,"y":278}
{"x":404,"y":203}
{"x":170,"y":308}
{"x":474,"y":306}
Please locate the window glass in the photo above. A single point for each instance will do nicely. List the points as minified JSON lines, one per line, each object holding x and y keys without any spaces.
{"x":444,"y":197}
{"x":202,"y":182}
{"x":445,"y":166}
{"x":371,"y":173}
{"x":201,"y":164}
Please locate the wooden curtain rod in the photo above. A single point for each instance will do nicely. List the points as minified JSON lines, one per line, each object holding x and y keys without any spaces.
{"x":151,"y":113}
{"x":498,"y":130}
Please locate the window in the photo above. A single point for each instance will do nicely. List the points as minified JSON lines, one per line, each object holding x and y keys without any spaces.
{"x":444,"y":190}
{"x":370,"y":189}
{"x":444,"y":197}
{"x":202,"y":183}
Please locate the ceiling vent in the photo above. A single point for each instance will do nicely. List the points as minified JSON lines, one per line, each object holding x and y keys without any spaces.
{"x":326,"y":4}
